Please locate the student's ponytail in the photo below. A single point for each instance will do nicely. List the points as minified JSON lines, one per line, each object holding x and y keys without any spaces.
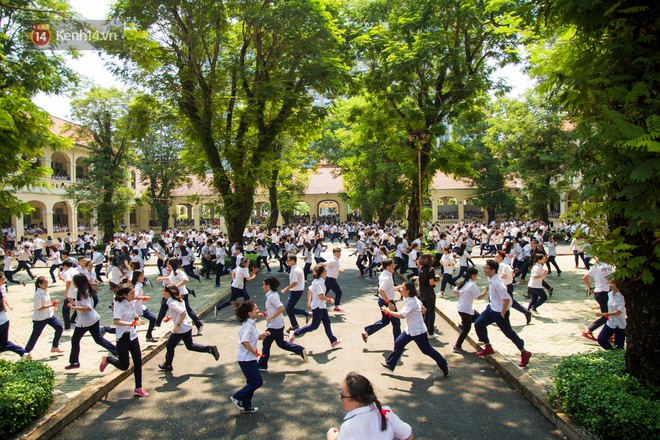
{"x":383,"y":419}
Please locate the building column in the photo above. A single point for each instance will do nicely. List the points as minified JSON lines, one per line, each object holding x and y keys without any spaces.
{"x":17,"y":221}
{"x":461,"y":210}
{"x":196,"y":212}
{"x":173,"y":215}
{"x":94,"y":227}
{"x":343,"y":212}
{"x":127,"y":221}
{"x":73,"y":224}
{"x":49,"y":222}
{"x":563,"y":203}
{"x":434,"y":209}
{"x":72,"y":172}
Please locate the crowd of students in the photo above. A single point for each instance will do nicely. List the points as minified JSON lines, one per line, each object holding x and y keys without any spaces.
{"x":521,"y":253}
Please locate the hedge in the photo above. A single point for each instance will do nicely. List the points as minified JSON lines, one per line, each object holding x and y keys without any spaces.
{"x":26,"y":391}
{"x":595,"y":390}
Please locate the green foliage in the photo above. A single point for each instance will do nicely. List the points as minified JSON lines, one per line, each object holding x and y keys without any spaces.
{"x":26,"y":391}
{"x":595,"y":390}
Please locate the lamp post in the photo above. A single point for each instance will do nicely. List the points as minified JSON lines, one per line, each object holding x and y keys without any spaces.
{"x":421,"y":137}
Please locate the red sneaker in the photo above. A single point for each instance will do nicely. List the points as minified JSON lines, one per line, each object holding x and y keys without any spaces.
{"x":104,"y":363}
{"x":524,"y":358}
{"x":487,"y":350}
{"x":588,"y":335}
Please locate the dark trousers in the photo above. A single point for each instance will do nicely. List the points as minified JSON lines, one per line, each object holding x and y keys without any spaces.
{"x":307,"y":270}
{"x":191,"y":312}
{"x":489,"y":317}
{"x":9,"y":275}
{"x":331,"y":284}
{"x":235,"y":294}
{"x":607,"y":332}
{"x":23,"y":265}
{"x":515,"y":304}
{"x":446,"y":279}
{"x":424,"y":345}
{"x":360,"y":264}
{"x":429,"y":316}
{"x":95,"y":331}
{"x":466,"y":324}
{"x":97,"y":269}
{"x":39,"y":255}
{"x":601,"y":298}
{"x":152,"y":322}
{"x":461,"y":272}
{"x":188,"y":268}
{"x":318,"y":316}
{"x":291,"y":310}
{"x":38,"y":327}
{"x":263,"y":259}
{"x":553,"y":261}
{"x":66,"y":314}
{"x":6,"y":344}
{"x":277,"y":336}
{"x":384,"y":321}
{"x":124,"y":347}
{"x":371,"y":267}
{"x":538,"y":298}
{"x":206,"y":268}
{"x":219,"y":271}
{"x":274,"y":249}
{"x":187,"y":339}
{"x":400,"y":265}
{"x":524,"y":268}
{"x":251,"y":372}
{"x":53,"y":268}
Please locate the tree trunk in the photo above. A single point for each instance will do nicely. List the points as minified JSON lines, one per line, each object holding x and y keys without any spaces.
{"x":383,"y":214}
{"x":413,"y":214}
{"x":272,"y":198}
{"x":163,"y":213}
{"x":490,"y":214}
{"x":106,"y":218}
{"x":238,"y":208}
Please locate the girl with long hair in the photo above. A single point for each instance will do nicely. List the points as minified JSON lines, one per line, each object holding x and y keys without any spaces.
{"x":43,"y":315}
{"x":466,"y":290}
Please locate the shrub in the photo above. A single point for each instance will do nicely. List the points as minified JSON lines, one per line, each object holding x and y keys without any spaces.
{"x":595,"y":390}
{"x":26,"y":390}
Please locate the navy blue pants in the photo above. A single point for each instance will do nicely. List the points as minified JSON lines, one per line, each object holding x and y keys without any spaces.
{"x":424,"y":345}
{"x":235,"y":294}
{"x":187,"y":339}
{"x":277,"y":336}
{"x":318,"y":316}
{"x":607,"y":332}
{"x":384,"y":321}
{"x":331,"y":284}
{"x":6,"y":344}
{"x":38,"y":327}
{"x":538,"y":298}
{"x":601,"y":298}
{"x":95,"y":331}
{"x":291,"y":310}
{"x":125,"y":347}
{"x":251,"y":372}
{"x":489,"y":317}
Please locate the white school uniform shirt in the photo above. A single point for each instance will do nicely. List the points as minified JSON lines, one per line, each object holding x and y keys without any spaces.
{"x":377,"y":256}
{"x":412,"y":311}
{"x":448,"y":262}
{"x":505,"y":269}
{"x":616,"y":302}
{"x":412,"y":258}
{"x":497,"y":293}
{"x":399,"y":250}
{"x":125,"y":311}
{"x":7,"y":263}
{"x":468,"y":292}
{"x":272,"y":304}
{"x":332,"y":266}
{"x":86,"y":319}
{"x":247,"y":333}
{"x":175,"y":277}
{"x":138,"y":303}
{"x":297,"y":275}
{"x":364,"y":423}
{"x":599,"y":273}
{"x":386,"y":284}
{"x":97,"y":258}
{"x":3,"y":314}
{"x":41,"y":299}
{"x":176,"y":310}
{"x":240,"y":274}
{"x":68,"y":276}
{"x":537,"y":271}
{"x":318,"y":288}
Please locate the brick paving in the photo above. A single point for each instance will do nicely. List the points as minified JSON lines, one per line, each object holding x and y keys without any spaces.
{"x":70,"y":383}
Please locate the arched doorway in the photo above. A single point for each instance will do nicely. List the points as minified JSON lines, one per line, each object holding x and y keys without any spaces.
{"x":82,"y":170}
{"x":328,"y":210}
{"x":35,"y":222}
{"x":61,"y":166}
{"x":85,"y":212}
{"x":62,"y":215}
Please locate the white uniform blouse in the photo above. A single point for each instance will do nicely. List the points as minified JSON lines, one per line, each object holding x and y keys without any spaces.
{"x":177,"y":309}
{"x":412,"y":311}
{"x":364,"y":423}
{"x":468,"y":292}
{"x":247,"y":333}
{"x":175,"y":277}
{"x":318,"y":288}
{"x":86,"y":319}
{"x":125,"y":311}
{"x":273,"y":303}
{"x":41,"y":299}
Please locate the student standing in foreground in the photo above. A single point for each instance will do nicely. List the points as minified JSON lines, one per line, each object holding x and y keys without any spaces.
{"x":365,"y":417}
{"x":498,"y":312}
{"x":125,"y":320}
{"x":247,"y":313}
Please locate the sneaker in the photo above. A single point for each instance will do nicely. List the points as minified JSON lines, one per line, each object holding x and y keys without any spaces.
{"x":528,"y":317}
{"x":104,"y":363}
{"x":56,"y":350}
{"x":534,"y":310}
{"x":165,"y":367}
{"x":292,"y":336}
{"x":304,"y":355}
{"x":550,"y":291}
{"x":152,"y":340}
{"x":588,"y":335}
{"x":238,"y":403}
{"x":459,"y":350}
{"x":72,"y":366}
{"x":558,"y":274}
{"x":524,"y":358}
{"x":365,"y":336}
{"x":338,"y":310}
{"x":293,"y":328}
{"x":308,"y":316}
{"x":486,"y":351}
{"x":27,"y":356}
{"x":264,"y":369}
{"x":384,"y":365}
{"x":336,"y":343}
{"x":140,"y":392}
{"x":253,"y":409}
{"x":199,"y":330}
{"x":192,"y":292}
{"x":433,"y":336}
{"x":215,"y":352}
{"x":445,"y":371}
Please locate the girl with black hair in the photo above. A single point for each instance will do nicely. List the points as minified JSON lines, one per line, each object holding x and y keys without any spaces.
{"x":427,"y":291}
{"x":307,"y":258}
{"x":275,"y":326}
{"x":365,"y":417}
{"x":247,"y":313}
{"x":140,"y":309}
{"x":126,"y":320}
{"x":466,"y":290}
{"x":177,"y":277}
{"x":87,"y":321}
{"x":182,"y":330}
{"x":262,"y":251}
{"x":5,"y":343}
{"x":239,"y":277}
{"x":187,"y":260}
{"x":43,"y":315}
{"x":416,"y":331}
{"x":462,"y":262}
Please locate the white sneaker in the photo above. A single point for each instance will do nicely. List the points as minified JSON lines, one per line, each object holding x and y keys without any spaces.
{"x":433,"y":336}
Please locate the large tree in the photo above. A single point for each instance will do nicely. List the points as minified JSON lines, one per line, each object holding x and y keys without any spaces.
{"x":426,"y":61}
{"x":531,"y":139}
{"x":105,"y":127}
{"x":24,"y":72}
{"x":241,"y":72}
{"x":601,"y":60}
